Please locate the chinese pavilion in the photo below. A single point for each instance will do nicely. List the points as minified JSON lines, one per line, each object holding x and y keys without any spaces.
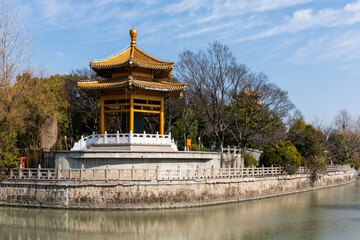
{"x":133,"y":83}
{"x":254,"y":95}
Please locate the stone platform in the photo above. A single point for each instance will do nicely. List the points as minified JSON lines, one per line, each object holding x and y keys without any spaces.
{"x":117,"y":159}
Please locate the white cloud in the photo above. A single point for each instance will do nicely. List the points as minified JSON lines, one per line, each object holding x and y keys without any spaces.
{"x":355,"y":6}
{"x":343,"y":50}
{"x":52,"y":8}
{"x":231,"y":8}
{"x":207,"y":29}
{"x":186,"y":5}
{"x":307,"y":19}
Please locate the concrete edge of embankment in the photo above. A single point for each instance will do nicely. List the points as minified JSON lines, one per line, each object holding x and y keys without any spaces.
{"x":174,"y":205}
{"x":227,"y":201}
{"x":272,"y":195}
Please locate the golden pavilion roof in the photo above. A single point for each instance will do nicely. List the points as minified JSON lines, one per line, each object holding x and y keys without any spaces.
{"x":131,"y":56}
{"x":131,"y":82}
{"x":253,"y":94}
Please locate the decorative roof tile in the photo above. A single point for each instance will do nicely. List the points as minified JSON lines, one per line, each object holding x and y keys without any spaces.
{"x":132,"y":56}
{"x":149,"y":85}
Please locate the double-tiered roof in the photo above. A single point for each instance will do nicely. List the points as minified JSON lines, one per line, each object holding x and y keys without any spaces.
{"x":133,"y":68}
{"x":132,"y":83}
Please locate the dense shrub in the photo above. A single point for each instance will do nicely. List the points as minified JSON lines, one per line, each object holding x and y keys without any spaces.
{"x":249,"y":160}
{"x":281,"y":154}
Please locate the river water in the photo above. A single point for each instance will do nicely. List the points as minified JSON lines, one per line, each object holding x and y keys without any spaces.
{"x":332,"y":213}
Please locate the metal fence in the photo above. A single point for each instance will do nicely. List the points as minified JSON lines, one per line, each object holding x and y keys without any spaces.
{"x":108,"y":174}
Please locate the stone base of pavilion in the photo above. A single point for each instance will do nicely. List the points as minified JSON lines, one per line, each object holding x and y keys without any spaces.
{"x":132,"y":150}
{"x":117,"y":159}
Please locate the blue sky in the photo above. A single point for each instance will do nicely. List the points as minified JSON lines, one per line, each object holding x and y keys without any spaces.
{"x":309,"y":48}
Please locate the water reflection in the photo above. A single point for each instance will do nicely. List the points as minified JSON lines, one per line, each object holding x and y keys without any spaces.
{"x":324,"y":214}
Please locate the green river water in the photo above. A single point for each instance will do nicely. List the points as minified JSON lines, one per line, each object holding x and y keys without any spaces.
{"x":332,"y":213}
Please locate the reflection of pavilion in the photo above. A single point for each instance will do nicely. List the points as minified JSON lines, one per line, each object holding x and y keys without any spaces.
{"x":131,"y":84}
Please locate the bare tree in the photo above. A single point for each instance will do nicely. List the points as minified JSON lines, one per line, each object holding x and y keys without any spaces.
{"x":84,"y":108}
{"x":259,"y":112}
{"x":343,"y":120}
{"x":15,"y":45}
{"x":344,"y":140}
{"x":14,"y":51}
{"x":185,"y":111}
{"x":212,"y":77}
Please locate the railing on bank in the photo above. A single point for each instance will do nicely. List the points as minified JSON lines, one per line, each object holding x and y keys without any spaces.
{"x":124,"y":138}
{"x":157,"y":174}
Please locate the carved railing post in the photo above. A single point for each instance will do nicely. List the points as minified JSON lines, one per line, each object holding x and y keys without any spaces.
{"x":58,"y":175}
{"x":130,"y":137}
{"x":198,"y":172}
{"x":38,"y":172}
{"x":107,"y":172}
{"x":82,"y":172}
{"x":157,"y":172}
{"x":81,"y":142}
{"x":133,"y":173}
{"x":179,"y":172}
{"x":20,"y":172}
{"x":117,"y":137}
{"x":213,"y":171}
{"x":168,"y":173}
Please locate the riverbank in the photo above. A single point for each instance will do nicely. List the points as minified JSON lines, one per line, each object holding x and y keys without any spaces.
{"x":155,"y":194}
{"x":330,"y":213}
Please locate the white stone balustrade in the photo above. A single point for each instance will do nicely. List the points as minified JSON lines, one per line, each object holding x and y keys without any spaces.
{"x":179,"y":174}
{"x":124,"y":138}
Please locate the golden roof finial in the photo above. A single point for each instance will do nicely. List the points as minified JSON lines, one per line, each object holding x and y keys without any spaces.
{"x":249,"y":84}
{"x":133,"y":34}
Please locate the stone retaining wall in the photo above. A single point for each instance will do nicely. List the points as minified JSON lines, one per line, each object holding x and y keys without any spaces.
{"x":158,"y":194}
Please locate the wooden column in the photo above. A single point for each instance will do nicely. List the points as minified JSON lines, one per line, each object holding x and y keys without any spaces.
{"x":161,"y":122}
{"x":102,"y":116}
{"x":131,"y":127}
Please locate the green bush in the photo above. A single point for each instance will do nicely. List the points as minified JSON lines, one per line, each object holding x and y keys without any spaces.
{"x":195,"y":147}
{"x":249,"y":160}
{"x":7,"y":161}
{"x":281,"y":154}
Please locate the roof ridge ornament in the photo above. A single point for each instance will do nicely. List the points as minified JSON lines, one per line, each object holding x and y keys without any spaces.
{"x":133,"y":34}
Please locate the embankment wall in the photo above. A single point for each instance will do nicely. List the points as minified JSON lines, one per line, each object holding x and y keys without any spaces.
{"x":158,"y":194}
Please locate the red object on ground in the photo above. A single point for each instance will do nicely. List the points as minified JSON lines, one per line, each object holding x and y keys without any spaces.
{"x":22,"y":163}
